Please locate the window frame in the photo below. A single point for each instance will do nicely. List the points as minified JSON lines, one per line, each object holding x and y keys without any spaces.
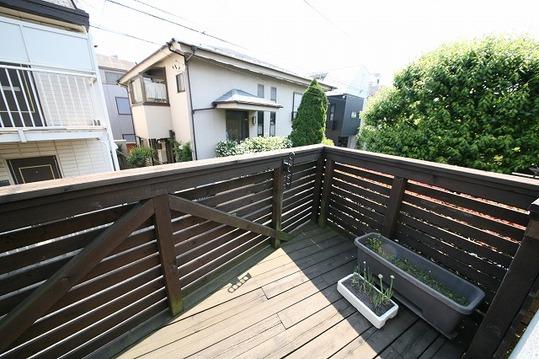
{"x":260,"y":133}
{"x":260,"y":89}
{"x":273,"y":118}
{"x":273,"y":94}
{"x":118,"y":108}
{"x":294,"y":110}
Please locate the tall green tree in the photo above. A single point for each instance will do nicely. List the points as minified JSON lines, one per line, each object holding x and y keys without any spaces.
{"x":309,"y":126}
{"x":473,"y":104}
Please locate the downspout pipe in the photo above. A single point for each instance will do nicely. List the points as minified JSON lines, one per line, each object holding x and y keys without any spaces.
{"x":187,"y":59}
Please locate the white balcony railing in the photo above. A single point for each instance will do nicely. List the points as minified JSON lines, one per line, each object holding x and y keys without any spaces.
{"x":32,"y":97}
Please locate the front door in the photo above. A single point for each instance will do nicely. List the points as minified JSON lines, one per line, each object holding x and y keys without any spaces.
{"x":237,"y":125}
{"x":34,"y":169}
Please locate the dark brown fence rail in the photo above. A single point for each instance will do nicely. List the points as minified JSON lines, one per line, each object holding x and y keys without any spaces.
{"x":93,"y":262}
{"x":470,"y":222}
{"x":87,"y":260}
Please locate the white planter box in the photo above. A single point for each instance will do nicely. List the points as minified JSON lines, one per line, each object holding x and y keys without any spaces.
{"x":377,"y":321}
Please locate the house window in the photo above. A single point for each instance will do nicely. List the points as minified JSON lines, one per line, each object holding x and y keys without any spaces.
{"x":112,"y":77}
{"x":260,"y":123}
{"x":122,"y":106}
{"x":331,"y":117}
{"x":180,"y":82}
{"x":296,"y":100}
{"x":273,"y":94}
{"x":150,"y":87}
{"x":260,"y":91}
{"x":273,"y":116}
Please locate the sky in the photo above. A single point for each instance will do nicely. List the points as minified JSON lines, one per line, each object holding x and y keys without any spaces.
{"x":346,"y":37}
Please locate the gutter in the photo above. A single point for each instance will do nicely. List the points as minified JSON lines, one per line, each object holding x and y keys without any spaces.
{"x":187,"y":59}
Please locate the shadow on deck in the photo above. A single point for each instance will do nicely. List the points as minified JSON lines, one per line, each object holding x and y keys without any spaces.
{"x":285,"y":303}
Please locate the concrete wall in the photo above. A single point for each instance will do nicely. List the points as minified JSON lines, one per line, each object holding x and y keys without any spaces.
{"x":75,"y":157}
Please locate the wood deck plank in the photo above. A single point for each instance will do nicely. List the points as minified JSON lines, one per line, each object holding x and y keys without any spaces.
{"x":372,"y":342}
{"x":295,"y":337}
{"x":412,"y":343}
{"x":286,"y":303}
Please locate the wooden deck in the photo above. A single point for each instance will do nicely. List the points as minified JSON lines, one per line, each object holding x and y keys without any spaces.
{"x":285,"y":303}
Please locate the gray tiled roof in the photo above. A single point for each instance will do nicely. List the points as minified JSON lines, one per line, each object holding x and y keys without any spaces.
{"x":240,"y":96}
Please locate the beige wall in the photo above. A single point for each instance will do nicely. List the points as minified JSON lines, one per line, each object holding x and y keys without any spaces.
{"x":75,"y":157}
{"x":151,"y":121}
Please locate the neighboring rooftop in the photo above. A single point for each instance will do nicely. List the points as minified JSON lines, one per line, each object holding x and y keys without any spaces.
{"x":60,"y":10}
{"x":223,"y":52}
{"x":236,"y":96}
{"x":113,"y":62}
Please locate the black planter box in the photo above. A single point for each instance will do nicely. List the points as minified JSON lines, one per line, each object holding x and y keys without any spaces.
{"x":442,"y":313}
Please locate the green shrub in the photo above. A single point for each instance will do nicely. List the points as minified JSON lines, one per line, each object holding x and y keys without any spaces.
{"x":182,"y":151}
{"x":226,"y":148}
{"x":140,"y":156}
{"x":309,"y":126}
{"x":328,"y":142}
{"x":473,"y":104}
{"x":251,"y":145}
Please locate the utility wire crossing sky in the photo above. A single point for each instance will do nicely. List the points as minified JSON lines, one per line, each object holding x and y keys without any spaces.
{"x":308,"y":36}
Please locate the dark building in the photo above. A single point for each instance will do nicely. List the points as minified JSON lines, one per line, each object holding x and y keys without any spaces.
{"x":343,"y":119}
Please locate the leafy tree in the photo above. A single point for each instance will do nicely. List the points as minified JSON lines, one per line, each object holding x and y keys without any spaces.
{"x":309,"y":126}
{"x":473,"y":104}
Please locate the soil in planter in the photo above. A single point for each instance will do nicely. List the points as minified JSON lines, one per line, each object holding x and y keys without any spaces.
{"x":366,"y":298}
{"x":419,"y":273}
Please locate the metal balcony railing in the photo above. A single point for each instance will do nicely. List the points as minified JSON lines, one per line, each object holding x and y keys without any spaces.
{"x":32,"y":97}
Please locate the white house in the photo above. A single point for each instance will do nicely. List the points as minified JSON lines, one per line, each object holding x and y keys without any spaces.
{"x":203,"y":94}
{"x":53,"y":119}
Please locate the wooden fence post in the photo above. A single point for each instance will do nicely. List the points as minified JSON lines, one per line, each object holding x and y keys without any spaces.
{"x":167,"y":253}
{"x":392,"y":211}
{"x":317,"y":187}
{"x":277,"y":205}
{"x":326,"y":190}
{"x":511,"y":294}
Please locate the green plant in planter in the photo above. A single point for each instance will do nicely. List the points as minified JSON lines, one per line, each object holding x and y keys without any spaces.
{"x":420,"y":274}
{"x":366,"y":283}
{"x":140,"y":156}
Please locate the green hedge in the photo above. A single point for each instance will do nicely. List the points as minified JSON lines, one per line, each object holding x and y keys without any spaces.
{"x":251,"y":145}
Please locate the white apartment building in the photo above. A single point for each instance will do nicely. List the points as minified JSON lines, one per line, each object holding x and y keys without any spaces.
{"x":203,"y":94}
{"x":53,"y":119}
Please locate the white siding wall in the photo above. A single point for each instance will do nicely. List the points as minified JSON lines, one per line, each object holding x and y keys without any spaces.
{"x":209,"y":81}
{"x":75,"y":158}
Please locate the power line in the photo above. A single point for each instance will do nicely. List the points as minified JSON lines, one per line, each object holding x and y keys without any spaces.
{"x":125,"y":34}
{"x":327,"y":19}
{"x":170,"y":21}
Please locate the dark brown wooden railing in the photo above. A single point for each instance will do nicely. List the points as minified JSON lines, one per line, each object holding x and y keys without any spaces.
{"x":94,"y":263}
{"x":470,"y":222}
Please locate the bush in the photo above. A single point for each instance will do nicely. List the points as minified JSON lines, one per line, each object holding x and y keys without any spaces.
{"x":309,"y":126}
{"x":182,"y":151}
{"x":473,"y":104}
{"x":251,"y":145}
{"x":226,"y":148}
{"x":140,"y":156}
{"x":328,"y":142}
